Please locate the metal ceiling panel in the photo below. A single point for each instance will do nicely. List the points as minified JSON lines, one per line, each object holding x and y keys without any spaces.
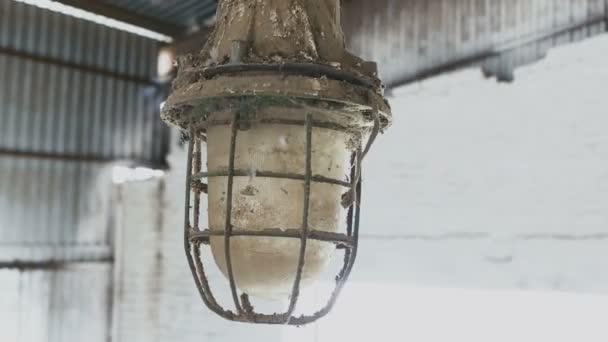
{"x":414,"y":39}
{"x":184,"y":13}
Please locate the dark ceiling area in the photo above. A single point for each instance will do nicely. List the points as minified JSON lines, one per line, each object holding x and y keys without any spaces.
{"x":182,"y":13}
{"x":174,"y":18}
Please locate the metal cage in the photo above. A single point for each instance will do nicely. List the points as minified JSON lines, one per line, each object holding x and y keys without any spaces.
{"x":195,"y":237}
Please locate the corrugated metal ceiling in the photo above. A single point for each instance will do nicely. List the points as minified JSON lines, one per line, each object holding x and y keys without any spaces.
{"x":185,"y":13}
{"x":414,"y":39}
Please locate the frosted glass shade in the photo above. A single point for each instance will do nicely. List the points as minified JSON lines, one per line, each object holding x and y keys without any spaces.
{"x":265,"y":267}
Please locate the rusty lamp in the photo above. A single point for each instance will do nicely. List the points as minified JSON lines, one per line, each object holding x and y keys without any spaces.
{"x":287,"y":116}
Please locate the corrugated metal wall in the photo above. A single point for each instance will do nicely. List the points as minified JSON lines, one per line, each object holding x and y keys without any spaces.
{"x":64,"y":304}
{"x":78,"y":94}
{"x":53,"y":210}
{"x":71,"y":86}
{"x":74,"y":97}
{"x":412,"y":39}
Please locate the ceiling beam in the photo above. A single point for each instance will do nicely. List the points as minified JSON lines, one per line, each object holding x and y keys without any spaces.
{"x":120,"y":14}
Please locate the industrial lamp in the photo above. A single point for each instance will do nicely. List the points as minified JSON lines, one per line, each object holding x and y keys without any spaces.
{"x":287,"y":116}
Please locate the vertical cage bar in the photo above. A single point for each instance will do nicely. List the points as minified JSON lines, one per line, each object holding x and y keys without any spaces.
{"x":353,"y":184}
{"x":295,"y":293}
{"x":196,"y":169}
{"x":188,"y":180}
{"x":203,"y":284}
{"x":357,"y":209}
{"x":228,"y":221}
{"x":352,"y":225}
{"x":192,"y":249}
{"x":350,"y":254}
{"x":374,"y":134}
{"x":187,"y":244}
{"x":350,"y":218}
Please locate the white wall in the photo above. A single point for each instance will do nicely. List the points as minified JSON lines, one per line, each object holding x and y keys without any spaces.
{"x":491,"y":185}
{"x":396,"y":313}
{"x":477,"y":186}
